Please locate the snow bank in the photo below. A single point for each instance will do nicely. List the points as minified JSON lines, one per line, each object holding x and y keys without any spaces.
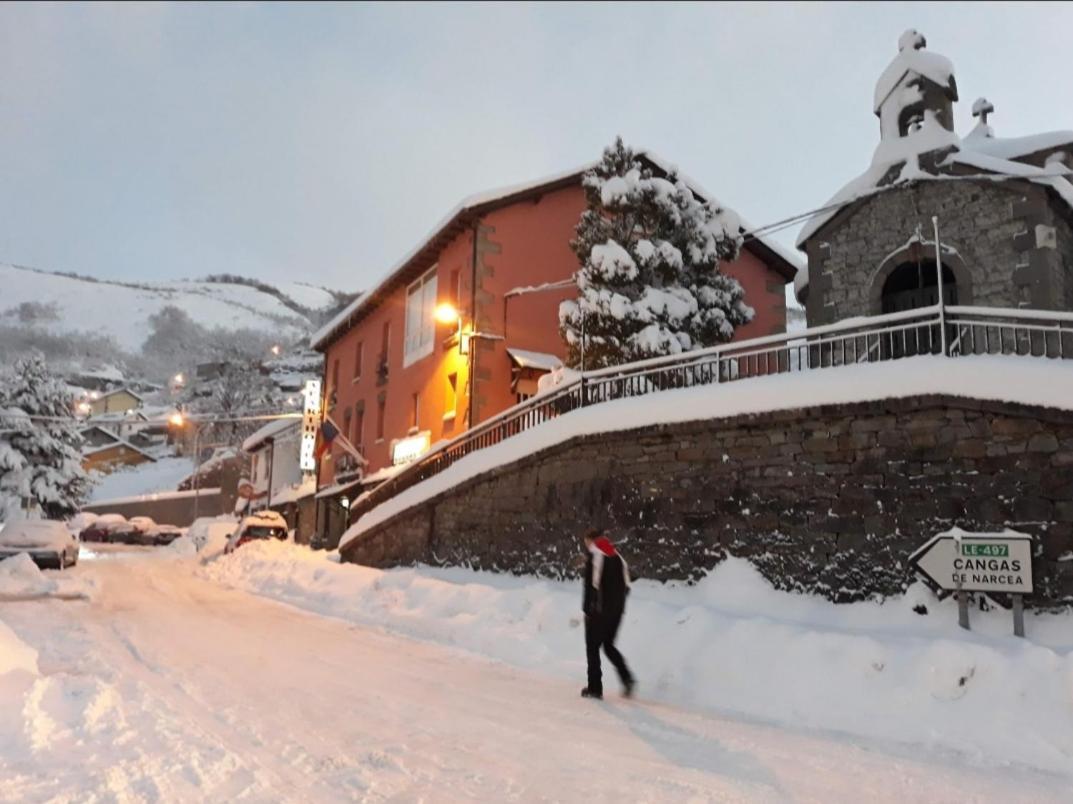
{"x":1048,"y":383}
{"x":21,"y":578}
{"x":731,"y":643}
{"x":14,"y":653}
{"x":163,"y":475}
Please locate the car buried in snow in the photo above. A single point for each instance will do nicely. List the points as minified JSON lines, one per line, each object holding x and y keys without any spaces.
{"x":103,"y":527}
{"x":262,"y":525}
{"x":47,"y":542}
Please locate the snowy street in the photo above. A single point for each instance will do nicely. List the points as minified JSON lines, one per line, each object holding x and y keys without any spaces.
{"x":168,"y":686}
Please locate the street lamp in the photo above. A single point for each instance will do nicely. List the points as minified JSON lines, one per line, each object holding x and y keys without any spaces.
{"x":276,"y":350}
{"x":179,"y":421}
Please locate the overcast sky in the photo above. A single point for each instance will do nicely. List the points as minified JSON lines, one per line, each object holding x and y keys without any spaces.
{"x":319,"y":143}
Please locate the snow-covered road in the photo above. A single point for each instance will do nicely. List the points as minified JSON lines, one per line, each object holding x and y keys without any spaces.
{"x":168,"y":687}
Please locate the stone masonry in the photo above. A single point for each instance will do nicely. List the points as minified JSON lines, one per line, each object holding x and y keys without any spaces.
{"x":827,"y":500}
{"x":1007,"y":243}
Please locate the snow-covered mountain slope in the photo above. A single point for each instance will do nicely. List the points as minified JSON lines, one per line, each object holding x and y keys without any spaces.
{"x":121,"y":310}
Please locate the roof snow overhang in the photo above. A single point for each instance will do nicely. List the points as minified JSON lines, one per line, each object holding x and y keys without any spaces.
{"x":471,"y":209}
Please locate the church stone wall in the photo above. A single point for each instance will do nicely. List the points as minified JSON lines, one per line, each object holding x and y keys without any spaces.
{"x":993,"y":227}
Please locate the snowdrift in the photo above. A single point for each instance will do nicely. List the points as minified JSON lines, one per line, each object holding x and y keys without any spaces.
{"x":731,"y":644}
{"x":20,"y":578}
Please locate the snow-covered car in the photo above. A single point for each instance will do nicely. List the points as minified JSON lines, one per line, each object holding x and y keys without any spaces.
{"x":47,"y":542}
{"x":262,"y":525}
{"x":103,"y":528}
{"x":160,"y":535}
{"x":136,"y":531}
{"x":80,"y":521}
{"x":212,"y":532}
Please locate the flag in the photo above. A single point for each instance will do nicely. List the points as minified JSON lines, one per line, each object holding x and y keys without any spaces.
{"x":328,"y":432}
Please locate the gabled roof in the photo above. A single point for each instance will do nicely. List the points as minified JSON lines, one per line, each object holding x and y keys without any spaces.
{"x":473,"y":207}
{"x":119,"y":442}
{"x":269,"y":431}
{"x":115,"y":391}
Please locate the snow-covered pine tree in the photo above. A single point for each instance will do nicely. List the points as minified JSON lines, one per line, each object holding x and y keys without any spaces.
{"x":40,"y":458}
{"x":649,"y":282}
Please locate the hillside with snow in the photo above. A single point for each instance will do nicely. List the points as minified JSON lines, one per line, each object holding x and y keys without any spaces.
{"x":64,"y":304}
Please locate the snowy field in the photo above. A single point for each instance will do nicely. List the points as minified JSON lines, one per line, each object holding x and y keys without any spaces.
{"x":147,"y":478}
{"x":174,"y":680}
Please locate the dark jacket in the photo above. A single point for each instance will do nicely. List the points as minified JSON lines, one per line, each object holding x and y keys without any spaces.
{"x":606,"y":584}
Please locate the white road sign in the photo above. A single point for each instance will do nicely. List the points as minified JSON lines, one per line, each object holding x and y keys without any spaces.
{"x":981,"y":562}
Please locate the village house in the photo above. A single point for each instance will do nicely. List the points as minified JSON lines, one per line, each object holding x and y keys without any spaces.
{"x":104,"y":451}
{"x":397,"y":380}
{"x":275,"y":478}
{"x":121,"y":400}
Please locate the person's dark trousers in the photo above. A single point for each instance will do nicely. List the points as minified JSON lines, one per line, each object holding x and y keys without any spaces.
{"x":600,"y":632}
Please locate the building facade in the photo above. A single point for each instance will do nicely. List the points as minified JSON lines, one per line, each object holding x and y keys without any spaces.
{"x":397,"y":380}
{"x":1003,"y":207}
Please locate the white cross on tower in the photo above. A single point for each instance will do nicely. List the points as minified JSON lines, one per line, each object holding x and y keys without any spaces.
{"x":982,"y":108}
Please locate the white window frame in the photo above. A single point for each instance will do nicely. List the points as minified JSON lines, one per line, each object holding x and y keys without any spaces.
{"x":420,"y":331}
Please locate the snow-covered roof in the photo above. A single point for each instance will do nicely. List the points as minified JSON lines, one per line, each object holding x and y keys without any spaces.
{"x":270,"y":430}
{"x":541,"y":361}
{"x":480,"y":203}
{"x":295,"y":492}
{"x":119,"y":442}
{"x":1017,"y":147}
{"x":913,"y":58}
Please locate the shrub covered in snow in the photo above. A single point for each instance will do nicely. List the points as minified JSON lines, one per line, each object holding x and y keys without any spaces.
{"x":649,"y":282}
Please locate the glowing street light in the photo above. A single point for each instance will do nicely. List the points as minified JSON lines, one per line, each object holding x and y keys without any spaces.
{"x":447,"y":313}
{"x":178,"y":379}
{"x":276,"y":350}
{"x":176,"y":419}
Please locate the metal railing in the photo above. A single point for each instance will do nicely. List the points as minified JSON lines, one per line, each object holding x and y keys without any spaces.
{"x":895,"y":336}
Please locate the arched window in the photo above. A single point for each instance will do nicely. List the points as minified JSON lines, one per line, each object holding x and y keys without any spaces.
{"x":914,"y":284}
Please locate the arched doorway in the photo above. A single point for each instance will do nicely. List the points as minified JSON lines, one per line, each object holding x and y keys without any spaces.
{"x":914,"y":284}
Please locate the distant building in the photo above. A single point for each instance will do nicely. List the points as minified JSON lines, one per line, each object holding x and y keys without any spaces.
{"x":276,"y":479}
{"x":104,"y":451}
{"x":1004,"y":208}
{"x":120,"y":400}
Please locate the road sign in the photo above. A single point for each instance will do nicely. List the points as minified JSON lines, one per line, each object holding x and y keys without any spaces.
{"x":976,"y":562}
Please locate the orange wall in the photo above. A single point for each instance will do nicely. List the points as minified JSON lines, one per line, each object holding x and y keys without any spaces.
{"x":527,"y":243}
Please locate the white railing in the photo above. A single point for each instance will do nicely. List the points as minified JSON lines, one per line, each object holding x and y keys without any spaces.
{"x":894,"y":336}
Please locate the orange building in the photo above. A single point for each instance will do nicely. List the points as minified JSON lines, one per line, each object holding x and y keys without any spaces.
{"x":397,"y":380}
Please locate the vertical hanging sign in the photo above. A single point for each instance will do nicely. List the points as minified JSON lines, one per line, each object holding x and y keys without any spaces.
{"x":310,"y":425}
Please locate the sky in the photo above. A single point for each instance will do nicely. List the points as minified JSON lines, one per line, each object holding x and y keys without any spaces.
{"x":319,"y":143}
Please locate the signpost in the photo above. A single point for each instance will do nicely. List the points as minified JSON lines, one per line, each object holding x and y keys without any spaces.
{"x":961,"y":562}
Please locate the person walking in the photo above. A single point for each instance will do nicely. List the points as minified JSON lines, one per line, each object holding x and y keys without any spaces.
{"x":607,"y":583}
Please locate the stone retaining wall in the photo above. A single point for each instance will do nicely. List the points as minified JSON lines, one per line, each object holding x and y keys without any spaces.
{"x":828,"y":500}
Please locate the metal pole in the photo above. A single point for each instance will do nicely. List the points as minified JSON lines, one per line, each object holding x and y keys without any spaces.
{"x":582,"y":337}
{"x":963,"y":605}
{"x":271,"y":460}
{"x":939,"y":284}
{"x":1019,"y":615}
{"x":197,"y":469}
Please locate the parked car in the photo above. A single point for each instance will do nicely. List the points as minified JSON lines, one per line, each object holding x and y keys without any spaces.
{"x":135,"y":531}
{"x":103,"y":528}
{"x":47,"y":542}
{"x":80,"y":521}
{"x":212,"y":532}
{"x":262,"y":525}
{"x":160,"y":535}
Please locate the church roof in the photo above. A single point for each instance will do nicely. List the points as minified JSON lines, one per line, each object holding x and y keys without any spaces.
{"x":913,"y":58}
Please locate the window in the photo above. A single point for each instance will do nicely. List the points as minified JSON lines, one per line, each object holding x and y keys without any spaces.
{"x":358,"y":356}
{"x":414,"y":410}
{"x":359,"y":426}
{"x":456,"y":287}
{"x":450,"y":402}
{"x":385,"y":336}
{"x":420,"y":320}
{"x":335,"y":373}
{"x":346,"y":426}
{"x":380,"y":404}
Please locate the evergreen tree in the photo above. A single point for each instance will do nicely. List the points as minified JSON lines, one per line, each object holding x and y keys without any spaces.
{"x":39,"y":458}
{"x":649,"y":283}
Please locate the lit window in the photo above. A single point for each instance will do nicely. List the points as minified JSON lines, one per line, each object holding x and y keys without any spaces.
{"x":420,"y":318}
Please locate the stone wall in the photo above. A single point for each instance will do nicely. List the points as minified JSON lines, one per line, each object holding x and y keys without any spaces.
{"x":1001,"y":255}
{"x":828,"y":500}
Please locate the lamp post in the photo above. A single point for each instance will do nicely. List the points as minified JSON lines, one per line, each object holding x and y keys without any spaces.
{"x":178,"y":420}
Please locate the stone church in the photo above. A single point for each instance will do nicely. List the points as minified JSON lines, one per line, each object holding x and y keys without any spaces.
{"x":1004,"y":208}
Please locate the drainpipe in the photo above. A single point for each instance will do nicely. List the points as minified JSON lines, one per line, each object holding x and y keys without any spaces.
{"x":271,"y":460}
{"x":473,"y":341}
{"x":939,"y":284}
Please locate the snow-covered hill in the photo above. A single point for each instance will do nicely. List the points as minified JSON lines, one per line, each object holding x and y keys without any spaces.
{"x":64,"y":304}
